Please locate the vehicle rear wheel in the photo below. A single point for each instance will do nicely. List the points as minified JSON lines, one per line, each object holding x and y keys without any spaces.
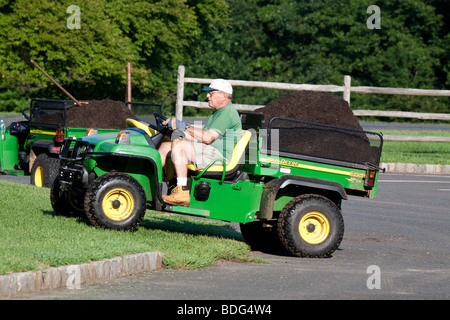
{"x":44,"y":171}
{"x":311,"y":226}
{"x":115,"y":201}
{"x":260,"y":235}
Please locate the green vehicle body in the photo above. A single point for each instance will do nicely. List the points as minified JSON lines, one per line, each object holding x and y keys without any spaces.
{"x":263,"y":185}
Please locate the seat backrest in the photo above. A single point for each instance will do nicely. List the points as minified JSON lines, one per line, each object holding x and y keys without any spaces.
{"x":237,"y":156}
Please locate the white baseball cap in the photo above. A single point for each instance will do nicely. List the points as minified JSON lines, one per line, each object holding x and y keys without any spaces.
{"x":220,"y":85}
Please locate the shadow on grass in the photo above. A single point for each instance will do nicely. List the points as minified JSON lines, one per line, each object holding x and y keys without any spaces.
{"x":191,"y":226}
{"x":188,"y":225}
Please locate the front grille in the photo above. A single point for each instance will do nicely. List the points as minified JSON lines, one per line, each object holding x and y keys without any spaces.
{"x":74,"y":150}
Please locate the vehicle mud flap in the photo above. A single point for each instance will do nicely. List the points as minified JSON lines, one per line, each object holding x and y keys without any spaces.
{"x":268,"y":198}
{"x":160,"y":205}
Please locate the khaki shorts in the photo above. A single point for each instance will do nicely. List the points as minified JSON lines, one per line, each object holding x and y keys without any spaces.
{"x":204,"y":154}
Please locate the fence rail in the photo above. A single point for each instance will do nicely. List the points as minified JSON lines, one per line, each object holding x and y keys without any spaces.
{"x":416,"y":138}
{"x":403,"y":114}
{"x":346,"y":89}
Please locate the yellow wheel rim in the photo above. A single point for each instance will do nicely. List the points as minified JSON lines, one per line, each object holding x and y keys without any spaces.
{"x":118,"y":204}
{"x":314,"y":227}
{"x":39,"y":177}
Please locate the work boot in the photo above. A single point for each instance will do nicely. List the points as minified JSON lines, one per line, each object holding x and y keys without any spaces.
{"x":178,"y":197}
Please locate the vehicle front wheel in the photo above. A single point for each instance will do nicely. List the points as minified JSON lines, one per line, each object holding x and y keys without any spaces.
{"x":311,"y":226}
{"x":115,"y":201}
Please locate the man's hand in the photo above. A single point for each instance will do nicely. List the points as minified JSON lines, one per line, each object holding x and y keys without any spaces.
{"x":175,"y":124}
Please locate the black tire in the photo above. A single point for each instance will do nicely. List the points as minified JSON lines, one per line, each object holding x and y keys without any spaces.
{"x":261,"y":236}
{"x":311,"y":226}
{"x":65,"y":203}
{"x":115,"y":201}
{"x":44,"y":171}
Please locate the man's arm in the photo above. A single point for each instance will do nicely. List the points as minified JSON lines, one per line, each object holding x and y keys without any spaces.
{"x":204,"y":136}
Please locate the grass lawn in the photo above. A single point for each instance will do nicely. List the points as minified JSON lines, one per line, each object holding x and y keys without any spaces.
{"x":33,"y":237}
{"x":416,"y":152}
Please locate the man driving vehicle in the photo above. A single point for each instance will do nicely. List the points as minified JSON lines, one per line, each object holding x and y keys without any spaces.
{"x":200,"y":146}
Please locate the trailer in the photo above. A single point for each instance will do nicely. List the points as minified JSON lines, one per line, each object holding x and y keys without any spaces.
{"x":31,"y":147}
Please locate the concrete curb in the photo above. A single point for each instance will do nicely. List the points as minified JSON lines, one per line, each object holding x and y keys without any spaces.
{"x":416,"y":168}
{"x":72,"y":276}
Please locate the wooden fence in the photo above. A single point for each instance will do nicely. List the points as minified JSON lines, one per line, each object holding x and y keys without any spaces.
{"x":346,"y":89}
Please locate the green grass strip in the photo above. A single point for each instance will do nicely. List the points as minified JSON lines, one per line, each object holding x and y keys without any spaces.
{"x":33,"y":237}
{"x":416,"y":152}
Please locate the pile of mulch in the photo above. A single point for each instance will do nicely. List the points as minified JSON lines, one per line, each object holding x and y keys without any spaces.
{"x":312,"y":106}
{"x":105,"y":114}
{"x":320,"y":141}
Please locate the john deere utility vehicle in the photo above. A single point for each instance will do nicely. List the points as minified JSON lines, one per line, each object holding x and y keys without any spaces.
{"x":278,"y":186}
{"x":31,"y":147}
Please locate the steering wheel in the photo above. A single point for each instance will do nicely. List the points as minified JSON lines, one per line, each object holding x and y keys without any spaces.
{"x":159,"y":122}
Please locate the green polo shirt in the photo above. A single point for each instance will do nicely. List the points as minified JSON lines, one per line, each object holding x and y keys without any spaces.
{"x":227,"y":123}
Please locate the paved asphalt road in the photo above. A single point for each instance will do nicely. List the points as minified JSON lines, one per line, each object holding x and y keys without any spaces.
{"x":396,"y":246}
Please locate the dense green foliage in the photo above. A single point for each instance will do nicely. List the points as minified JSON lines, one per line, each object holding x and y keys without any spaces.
{"x":315,"y":42}
{"x":90,"y":62}
{"x":320,"y":41}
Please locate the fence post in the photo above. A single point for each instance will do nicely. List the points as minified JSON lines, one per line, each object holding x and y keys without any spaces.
{"x":129,"y":84}
{"x":180,"y":93}
{"x":346,"y":95}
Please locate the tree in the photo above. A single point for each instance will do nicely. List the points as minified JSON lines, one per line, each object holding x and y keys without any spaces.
{"x":90,"y":62}
{"x":320,"y":41}
{"x":307,"y":41}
